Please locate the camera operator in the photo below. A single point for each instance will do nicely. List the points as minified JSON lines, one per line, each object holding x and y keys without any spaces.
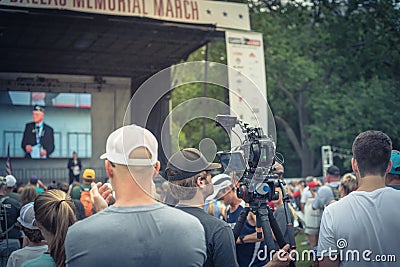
{"x":248,"y":246}
{"x":189,"y":173}
{"x":280,"y":210}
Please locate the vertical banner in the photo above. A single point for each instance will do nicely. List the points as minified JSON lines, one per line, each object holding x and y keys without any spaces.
{"x":246,"y":79}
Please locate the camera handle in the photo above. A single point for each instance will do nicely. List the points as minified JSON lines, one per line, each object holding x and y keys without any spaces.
{"x":265,"y":222}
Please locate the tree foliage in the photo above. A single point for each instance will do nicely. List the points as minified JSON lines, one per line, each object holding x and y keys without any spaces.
{"x":333,"y":70}
{"x":197,"y":129}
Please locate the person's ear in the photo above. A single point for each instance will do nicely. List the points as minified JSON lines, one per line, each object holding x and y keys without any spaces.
{"x":354,"y":165}
{"x":157,"y":168}
{"x":200,"y":181}
{"x":389,"y":167}
{"x":38,"y":225}
{"x":109,"y":169}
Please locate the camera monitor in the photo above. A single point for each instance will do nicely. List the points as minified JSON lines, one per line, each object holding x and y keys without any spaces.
{"x":232,"y":161}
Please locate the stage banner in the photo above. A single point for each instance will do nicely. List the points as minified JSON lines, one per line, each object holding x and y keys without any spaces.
{"x":221,"y":14}
{"x":246,"y":79}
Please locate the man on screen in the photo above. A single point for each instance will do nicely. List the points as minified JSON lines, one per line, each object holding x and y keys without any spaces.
{"x":38,"y":139}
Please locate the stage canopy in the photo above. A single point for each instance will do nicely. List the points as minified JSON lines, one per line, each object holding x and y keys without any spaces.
{"x":124,"y":38}
{"x":130,"y":39}
{"x":64,"y":42}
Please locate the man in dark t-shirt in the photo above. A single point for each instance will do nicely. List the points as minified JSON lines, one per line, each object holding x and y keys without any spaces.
{"x":9,"y":212}
{"x":190,"y":176}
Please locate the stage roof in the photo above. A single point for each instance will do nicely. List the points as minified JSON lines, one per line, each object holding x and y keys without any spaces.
{"x":67,"y":42}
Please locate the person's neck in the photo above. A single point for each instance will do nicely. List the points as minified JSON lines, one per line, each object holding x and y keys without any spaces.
{"x":371,"y":183}
{"x":235,"y":204}
{"x":128,"y":192}
{"x":49,"y":239}
{"x":133,"y":199}
{"x":34,"y":244}
{"x":196,"y":201}
{"x":133,"y":196}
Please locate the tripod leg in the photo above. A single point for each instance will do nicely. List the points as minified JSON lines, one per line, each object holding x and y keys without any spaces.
{"x":275,"y":228}
{"x":240,"y":222}
{"x":277,"y":232}
{"x":262,"y":217}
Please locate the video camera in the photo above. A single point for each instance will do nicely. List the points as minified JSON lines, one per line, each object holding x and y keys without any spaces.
{"x":252,"y":160}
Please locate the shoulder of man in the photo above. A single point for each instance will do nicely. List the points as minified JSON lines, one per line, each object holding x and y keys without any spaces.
{"x":49,"y":128}
{"x":30,"y":125}
{"x":185,"y":219}
{"x":9,"y":200}
{"x":216,"y":223}
{"x":12,"y":201}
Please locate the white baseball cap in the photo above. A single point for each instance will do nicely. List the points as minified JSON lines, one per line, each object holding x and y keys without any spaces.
{"x":124,"y":140}
{"x":27,"y":216}
{"x":10,"y":180}
{"x":220,"y":182}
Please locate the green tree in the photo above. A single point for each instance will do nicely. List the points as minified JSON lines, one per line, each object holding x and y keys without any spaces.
{"x":197,"y":129}
{"x":330,"y":70}
{"x":333,"y":70}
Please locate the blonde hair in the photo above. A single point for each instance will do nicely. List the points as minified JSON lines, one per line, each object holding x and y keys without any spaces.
{"x":55,"y":211}
{"x":28,"y":194}
{"x":348,"y":183}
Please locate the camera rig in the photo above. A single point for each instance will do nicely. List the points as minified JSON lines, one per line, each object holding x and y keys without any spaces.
{"x":254,"y":160}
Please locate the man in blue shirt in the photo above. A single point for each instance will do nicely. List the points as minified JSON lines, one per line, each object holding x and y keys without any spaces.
{"x":393,"y":177}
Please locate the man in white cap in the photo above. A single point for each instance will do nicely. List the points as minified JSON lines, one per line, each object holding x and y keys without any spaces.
{"x":137,"y":230}
{"x":33,"y":240}
{"x":11,"y":182}
{"x":9,"y":234}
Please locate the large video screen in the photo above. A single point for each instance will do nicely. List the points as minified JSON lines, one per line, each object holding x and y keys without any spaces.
{"x":42,"y":125}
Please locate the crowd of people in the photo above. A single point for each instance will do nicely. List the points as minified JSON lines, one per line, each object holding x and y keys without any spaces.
{"x":188,"y":218}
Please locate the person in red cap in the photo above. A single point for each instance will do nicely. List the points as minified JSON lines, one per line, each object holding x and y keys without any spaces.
{"x":312,"y":217}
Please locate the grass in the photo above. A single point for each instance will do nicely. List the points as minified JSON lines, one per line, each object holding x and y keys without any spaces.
{"x":301,"y":237}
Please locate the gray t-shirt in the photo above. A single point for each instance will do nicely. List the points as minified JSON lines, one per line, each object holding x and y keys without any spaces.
{"x":18,"y":257}
{"x":149,"y":235}
{"x":323,"y":198}
{"x":280,"y":217}
{"x":362,"y":229}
